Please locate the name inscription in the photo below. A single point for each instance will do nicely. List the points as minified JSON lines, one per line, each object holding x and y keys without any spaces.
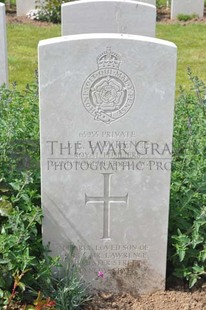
{"x":117,"y":256}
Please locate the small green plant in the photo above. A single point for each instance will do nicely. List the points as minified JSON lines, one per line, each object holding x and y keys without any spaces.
{"x":19,"y":133}
{"x":42,"y":303}
{"x":17,"y":283}
{"x":68,"y":287}
{"x":23,"y":259}
{"x":185,"y":17}
{"x":161,"y":3}
{"x":187,"y":227}
{"x":26,"y":268}
{"x":22,"y":256}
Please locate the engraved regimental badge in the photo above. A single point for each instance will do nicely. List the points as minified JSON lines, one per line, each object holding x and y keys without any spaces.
{"x":108,"y":93}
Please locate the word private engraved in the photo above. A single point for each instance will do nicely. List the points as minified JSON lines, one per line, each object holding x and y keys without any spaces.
{"x":108,"y":93}
{"x":106,"y":199}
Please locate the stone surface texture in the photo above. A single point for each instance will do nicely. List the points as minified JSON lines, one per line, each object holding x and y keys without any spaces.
{"x":152,"y":2}
{"x":108,"y":16}
{"x":187,"y":7}
{"x":3,"y":47}
{"x":106,"y":104}
{"x":24,"y":6}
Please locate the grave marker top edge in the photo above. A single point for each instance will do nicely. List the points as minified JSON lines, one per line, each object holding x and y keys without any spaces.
{"x":100,"y":36}
{"x":112,"y":1}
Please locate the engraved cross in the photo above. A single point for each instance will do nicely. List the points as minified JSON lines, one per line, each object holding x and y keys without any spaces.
{"x":107,"y":200}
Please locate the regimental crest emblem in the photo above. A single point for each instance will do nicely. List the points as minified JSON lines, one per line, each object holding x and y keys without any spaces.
{"x":108,"y":93}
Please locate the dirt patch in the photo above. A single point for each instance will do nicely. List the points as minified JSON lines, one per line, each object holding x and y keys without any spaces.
{"x":137,"y":276}
{"x":177,"y":297}
{"x":168,"y":300}
{"x":11,"y":18}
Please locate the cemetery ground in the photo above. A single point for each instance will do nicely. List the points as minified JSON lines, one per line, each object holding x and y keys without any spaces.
{"x":188,"y":189}
{"x":189,"y":37}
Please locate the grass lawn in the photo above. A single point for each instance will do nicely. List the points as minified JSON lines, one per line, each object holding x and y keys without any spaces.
{"x":23,"y":41}
{"x":191,"y":42}
{"x":22,"y":49}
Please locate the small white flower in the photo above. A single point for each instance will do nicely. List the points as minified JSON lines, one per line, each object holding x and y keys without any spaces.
{"x":33,"y":14}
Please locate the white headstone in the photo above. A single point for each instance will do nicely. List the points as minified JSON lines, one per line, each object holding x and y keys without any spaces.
{"x":187,"y":7}
{"x":106,"y":104}
{"x":24,"y":6}
{"x":3,"y":47}
{"x":108,"y":16}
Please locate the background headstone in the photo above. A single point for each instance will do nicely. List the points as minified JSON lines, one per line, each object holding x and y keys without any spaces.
{"x":107,"y":16}
{"x":24,"y":6}
{"x":3,"y":47}
{"x":187,"y":7}
{"x":106,"y":104}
